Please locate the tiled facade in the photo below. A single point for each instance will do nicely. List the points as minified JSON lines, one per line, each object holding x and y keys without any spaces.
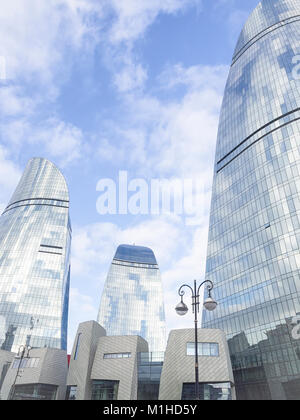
{"x":82,"y":358}
{"x":179,"y":366}
{"x":46,"y":368}
{"x":108,"y":368}
{"x":123,"y":370}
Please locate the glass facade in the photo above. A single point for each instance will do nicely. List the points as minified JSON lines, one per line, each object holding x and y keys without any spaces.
{"x":35,"y":238}
{"x":132,"y":299}
{"x":149,"y":373}
{"x":71,"y":392}
{"x":35,"y":392}
{"x":210,"y":392}
{"x":105,"y":390}
{"x":117,"y":356}
{"x":254,"y":239}
{"x":204,"y":349}
{"x":28,"y":362}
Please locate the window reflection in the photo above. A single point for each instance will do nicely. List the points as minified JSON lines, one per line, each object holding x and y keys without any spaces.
{"x":254,"y":239}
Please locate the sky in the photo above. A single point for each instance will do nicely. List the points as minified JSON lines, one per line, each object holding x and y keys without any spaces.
{"x":101,"y":87}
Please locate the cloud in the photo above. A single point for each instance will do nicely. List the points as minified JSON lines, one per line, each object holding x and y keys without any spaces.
{"x":169,"y":135}
{"x":180,"y":255}
{"x":194,"y":77}
{"x":176,"y":135}
{"x":93,"y":248}
{"x":9,"y":177}
{"x":55,"y":138}
{"x":39,"y":40}
{"x":132,"y":76}
{"x":94,"y":245}
{"x":35,"y":35}
{"x":132,"y":18}
{"x":62,"y":140}
{"x":186,"y":133}
{"x":189,"y":267}
{"x":14,"y":103}
{"x":106,"y":151}
{"x":169,"y":132}
{"x":82,"y":308}
{"x":38,"y":43}
{"x":38,"y":37}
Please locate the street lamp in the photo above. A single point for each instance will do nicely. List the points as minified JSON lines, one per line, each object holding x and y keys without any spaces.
{"x":209,"y":304}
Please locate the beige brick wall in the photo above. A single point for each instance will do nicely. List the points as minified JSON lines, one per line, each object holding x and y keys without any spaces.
{"x":123,"y":370}
{"x":179,"y":368}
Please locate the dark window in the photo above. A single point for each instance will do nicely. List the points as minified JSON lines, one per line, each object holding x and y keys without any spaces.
{"x":204,"y":349}
{"x":71,"y":392}
{"x":213,"y":392}
{"x":105,"y":390}
{"x":116,"y":355}
{"x":149,"y":373}
{"x":35,"y":392}
{"x":30,"y":362}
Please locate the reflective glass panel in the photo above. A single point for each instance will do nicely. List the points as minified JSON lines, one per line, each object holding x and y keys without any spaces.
{"x":254,"y":238}
{"x":132,"y":300}
{"x":35,"y":237}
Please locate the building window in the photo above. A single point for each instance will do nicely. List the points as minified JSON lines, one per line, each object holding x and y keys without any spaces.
{"x":149,"y":373}
{"x":105,"y":390}
{"x":116,"y":355}
{"x":28,"y":362}
{"x":133,"y":276}
{"x":35,"y":392}
{"x":71,"y":392}
{"x":77,"y":346}
{"x":204,"y":349}
{"x":207,"y":391}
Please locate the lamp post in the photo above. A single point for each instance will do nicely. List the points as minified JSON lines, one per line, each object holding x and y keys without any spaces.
{"x":209,"y":304}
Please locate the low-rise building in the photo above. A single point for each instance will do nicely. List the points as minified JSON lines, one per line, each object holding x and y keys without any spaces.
{"x":6,"y":358}
{"x":121,"y":368}
{"x":215,"y":372}
{"x":79,"y":383}
{"x":40,"y":375}
{"x":115,"y":368}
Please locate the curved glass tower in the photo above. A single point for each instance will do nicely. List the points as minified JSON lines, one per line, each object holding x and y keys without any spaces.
{"x":254,"y":240}
{"x":132,"y":299}
{"x":35,"y":238}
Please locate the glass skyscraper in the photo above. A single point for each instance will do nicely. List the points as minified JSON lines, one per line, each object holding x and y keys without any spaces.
{"x":254,"y":240}
{"x":132,"y":300}
{"x":35,"y":238}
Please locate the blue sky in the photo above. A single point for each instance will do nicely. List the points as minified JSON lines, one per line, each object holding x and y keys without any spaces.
{"x":99,"y":86}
